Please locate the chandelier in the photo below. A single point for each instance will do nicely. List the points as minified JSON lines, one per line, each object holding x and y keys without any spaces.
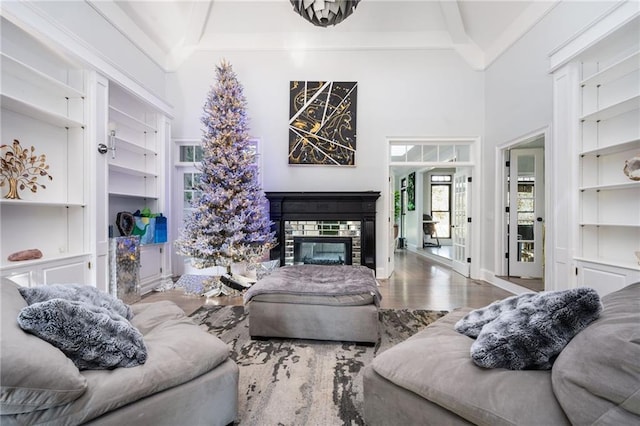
{"x":323,"y":13}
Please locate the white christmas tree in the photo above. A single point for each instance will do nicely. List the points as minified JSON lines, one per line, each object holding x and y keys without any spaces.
{"x":229,"y":222}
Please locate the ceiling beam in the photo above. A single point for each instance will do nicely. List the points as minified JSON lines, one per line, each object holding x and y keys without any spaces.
{"x":198,"y":19}
{"x":461,"y":42}
{"x":453,"y":19}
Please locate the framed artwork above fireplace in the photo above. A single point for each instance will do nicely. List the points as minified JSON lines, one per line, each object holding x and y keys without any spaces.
{"x":322,"y":123}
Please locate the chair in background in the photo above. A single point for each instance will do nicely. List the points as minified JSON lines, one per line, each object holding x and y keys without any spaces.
{"x":429,"y":229}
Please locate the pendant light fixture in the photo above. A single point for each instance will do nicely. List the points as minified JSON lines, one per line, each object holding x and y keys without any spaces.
{"x":324,"y":13}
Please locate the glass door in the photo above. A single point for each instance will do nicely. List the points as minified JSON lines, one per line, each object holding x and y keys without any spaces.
{"x":526,"y":206}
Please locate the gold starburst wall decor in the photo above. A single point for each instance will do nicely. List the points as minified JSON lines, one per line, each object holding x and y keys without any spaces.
{"x":322,"y":122}
{"x":21,"y":168}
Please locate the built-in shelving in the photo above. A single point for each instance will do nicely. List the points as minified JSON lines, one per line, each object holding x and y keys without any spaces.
{"x":609,"y":134}
{"x":137,"y":177}
{"x":23,"y":71}
{"x":613,"y":149}
{"x":610,"y":111}
{"x":37,"y":113}
{"x":31,"y":203}
{"x":44,"y":106}
{"x":130,"y":121}
{"x":613,"y":72}
{"x":612,"y":186}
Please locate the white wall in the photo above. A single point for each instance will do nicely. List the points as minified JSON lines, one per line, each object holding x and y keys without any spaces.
{"x":519,"y":97}
{"x":77,"y":21}
{"x":400,"y":93}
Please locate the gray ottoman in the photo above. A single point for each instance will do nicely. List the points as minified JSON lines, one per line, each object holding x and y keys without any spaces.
{"x":320,"y":302}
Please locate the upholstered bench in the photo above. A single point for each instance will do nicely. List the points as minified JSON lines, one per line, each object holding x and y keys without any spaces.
{"x":319,"y":302}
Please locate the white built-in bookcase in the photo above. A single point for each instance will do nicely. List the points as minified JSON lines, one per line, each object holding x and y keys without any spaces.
{"x":609,"y":135}
{"x":66,"y":108}
{"x":138,"y":135}
{"x":44,"y":105}
{"x":597,"y":117}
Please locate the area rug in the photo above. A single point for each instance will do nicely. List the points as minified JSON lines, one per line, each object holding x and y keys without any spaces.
{"x":303,"y":382}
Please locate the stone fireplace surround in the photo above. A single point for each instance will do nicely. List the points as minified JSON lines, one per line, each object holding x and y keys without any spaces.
{"x":353,"y":209}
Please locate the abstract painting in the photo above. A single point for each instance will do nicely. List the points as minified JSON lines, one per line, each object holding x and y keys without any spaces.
{"x":322,"y":122}
{"x":411,"y":192}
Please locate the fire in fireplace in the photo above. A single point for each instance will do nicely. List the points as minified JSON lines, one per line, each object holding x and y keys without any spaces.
{"x":322,"y":250}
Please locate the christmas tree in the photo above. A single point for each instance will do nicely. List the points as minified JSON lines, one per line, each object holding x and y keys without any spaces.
{"x":229,"y":222}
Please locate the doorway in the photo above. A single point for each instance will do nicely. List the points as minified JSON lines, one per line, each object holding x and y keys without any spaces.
{"x":420,"y":158}
{"x":524,"y":210}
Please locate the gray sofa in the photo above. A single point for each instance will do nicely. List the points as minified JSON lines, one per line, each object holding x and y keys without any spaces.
{"x":430,"y":378}
{"x":188,"y":377}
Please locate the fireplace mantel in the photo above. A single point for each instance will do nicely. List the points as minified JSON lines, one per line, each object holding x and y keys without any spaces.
{"x":357,"y":206}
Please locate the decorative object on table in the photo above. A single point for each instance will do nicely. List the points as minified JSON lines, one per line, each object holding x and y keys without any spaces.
{"x":632,"y":168}
{"x":161,"y":229}
{"x":125,"y":223}
{"x":229,"y":222}
{"x":124,"y":265}
{"x":29,"y":254}
{"x":322,"y":122}
{"x":323,"y":13}
{"x":411,"y":192}
{"x":144,"y":225}
{"x":21,"y":168}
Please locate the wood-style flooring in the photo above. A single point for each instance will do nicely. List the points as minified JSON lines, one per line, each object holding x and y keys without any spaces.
{"x":416,"y":283}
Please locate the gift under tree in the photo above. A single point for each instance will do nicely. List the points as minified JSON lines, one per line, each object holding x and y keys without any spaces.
{"x":229,"y":222}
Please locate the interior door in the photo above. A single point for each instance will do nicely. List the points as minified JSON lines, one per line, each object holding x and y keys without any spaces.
{"x":101,"y":188}
{"x":460,"y":232}
{"x":526,"y":208}
{"x":392,"y":238}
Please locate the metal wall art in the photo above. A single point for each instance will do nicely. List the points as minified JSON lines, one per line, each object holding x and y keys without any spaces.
{"x":322,"y":122}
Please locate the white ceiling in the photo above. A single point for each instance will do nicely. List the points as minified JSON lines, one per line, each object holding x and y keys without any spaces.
{"x":169,"y":31}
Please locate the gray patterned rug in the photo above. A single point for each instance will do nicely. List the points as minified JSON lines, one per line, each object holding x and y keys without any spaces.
{"x":303,"y":382}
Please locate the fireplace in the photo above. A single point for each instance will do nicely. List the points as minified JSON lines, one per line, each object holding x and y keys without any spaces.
{"x":325,"y":215}
{"x":322,"y":250}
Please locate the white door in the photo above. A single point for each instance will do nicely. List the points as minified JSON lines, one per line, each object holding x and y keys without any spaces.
{"x":392,"y":238}
{"x":460,"y":232}
{"x":526,"y":208}
{"x":101,"y":191}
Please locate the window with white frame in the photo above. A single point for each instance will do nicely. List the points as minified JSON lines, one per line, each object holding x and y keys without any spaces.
{"x":190,"y":154}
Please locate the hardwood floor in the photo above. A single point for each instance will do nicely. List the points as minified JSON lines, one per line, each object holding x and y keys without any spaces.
{"x":417,"y":283}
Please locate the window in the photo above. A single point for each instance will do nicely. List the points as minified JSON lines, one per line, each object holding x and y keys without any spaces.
{"x":190,"y":153}
{"x":190,"y":187}
{"x":441,"y":204}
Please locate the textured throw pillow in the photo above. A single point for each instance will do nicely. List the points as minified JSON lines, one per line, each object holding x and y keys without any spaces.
{"x":533,"y":334}
{"x":34,"y":375}
{"x":91,"y":336}
{"x":78,"y":293}
{"x":472,"y":323}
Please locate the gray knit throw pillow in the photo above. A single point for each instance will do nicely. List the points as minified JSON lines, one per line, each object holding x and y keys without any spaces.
{"x":76,"y":292}
{"x":472,"y":323}
{"x":91,"y":336}
{"x":533,"y":334}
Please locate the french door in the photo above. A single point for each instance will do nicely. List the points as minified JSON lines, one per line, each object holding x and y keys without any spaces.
{"x":526,"y":208}
{"x":460,"y":232}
